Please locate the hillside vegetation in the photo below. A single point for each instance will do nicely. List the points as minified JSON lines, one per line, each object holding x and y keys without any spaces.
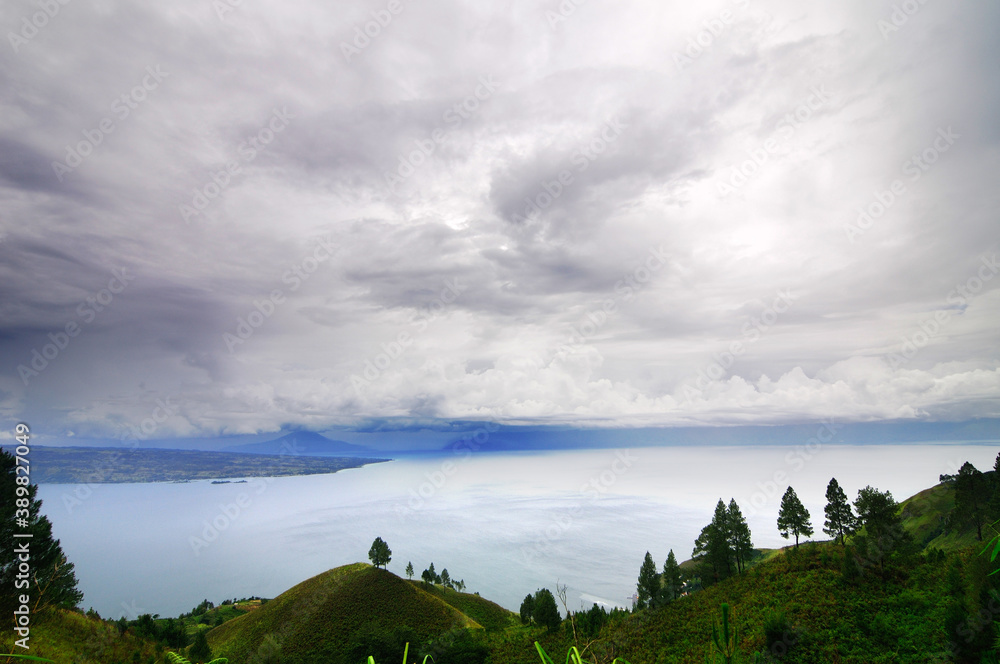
{"x":347,"y":610}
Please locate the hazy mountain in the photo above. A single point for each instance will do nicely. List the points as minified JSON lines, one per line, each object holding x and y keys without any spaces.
{"x":304,"y":443}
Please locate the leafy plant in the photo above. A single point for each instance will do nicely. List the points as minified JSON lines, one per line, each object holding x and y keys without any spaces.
{"x":175,"y":658}
{"x":406,"y":652}
{"x":573,"y":656}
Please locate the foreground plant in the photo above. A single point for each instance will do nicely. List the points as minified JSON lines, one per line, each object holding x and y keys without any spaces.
{"x":725,"y":640}
{"x":175,"y":658}
{"x":406,"y":652}
{"x":572,"y":656}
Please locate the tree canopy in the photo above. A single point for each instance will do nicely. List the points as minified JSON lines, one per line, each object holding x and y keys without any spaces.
{"x":793,"y":517}
{"x":52,"y":582}
{"x":380,"y":554}
{"x":840,"y":520}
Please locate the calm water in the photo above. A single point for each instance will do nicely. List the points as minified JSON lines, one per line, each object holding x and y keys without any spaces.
{"x":505,"y":523}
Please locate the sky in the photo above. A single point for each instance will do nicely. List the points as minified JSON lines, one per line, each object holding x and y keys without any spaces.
{"x":236,"y":217}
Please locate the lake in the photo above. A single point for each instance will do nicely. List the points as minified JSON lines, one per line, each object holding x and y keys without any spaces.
{"x":506,"y":523}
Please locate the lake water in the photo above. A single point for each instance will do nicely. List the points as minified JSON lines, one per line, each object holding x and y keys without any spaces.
{"x":506,"y":523}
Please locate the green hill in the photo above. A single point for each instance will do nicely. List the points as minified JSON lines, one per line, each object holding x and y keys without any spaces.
{"x":349,"y":608}
{"x":490,"y":615}
{"x":67,"y":636}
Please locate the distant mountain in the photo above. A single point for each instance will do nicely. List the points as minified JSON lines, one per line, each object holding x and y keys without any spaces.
{"x":304,"y":443}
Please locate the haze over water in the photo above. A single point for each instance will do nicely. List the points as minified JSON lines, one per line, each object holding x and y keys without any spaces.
{"x":506,"y":523}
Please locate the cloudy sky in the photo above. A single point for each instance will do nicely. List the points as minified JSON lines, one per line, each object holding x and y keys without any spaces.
{"x":235,"y":216}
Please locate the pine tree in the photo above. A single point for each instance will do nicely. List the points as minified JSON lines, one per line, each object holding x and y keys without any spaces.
{"x":200,"y":652}
{"x":445,"y":578}
{"x":672,"y":582}
{"x":972,"y":498}
{"x":527,"y":608}
{"x":883,"y":526}
{"x":409,"y":570}
{"x":712,"y":547}
{"x":649,"y":583}
{"x":739,"y":536}
{"x":379,"y":554}
{"x":840,"y":520}
{"x":53,"y":581}
{"x":793,"y":517}
{"x":545,"y":612}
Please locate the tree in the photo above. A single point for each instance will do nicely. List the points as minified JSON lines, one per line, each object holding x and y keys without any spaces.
{"x":52,"y":582}
{"x":883,"y":526}
{"x":545,"y":612}
{"x":429,"y":575}
{"x":409,"y":570}
{"x":200,"y":652}
{"x":672,"y":582}
{"x":840,"y":521}
{"x":445,"y":578}
{"x":379,"y":553}
{"x":527,"y":609}
{"x":712,"y":547}
{"x":972,"y":498}
{"x":460,"y":585}
{"x":739,"y":535}
{"x":793,"y":517}
{"x":649,"y":583}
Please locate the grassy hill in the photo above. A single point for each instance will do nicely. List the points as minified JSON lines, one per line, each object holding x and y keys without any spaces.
{"x":68,"y":636}
{"x":333,"y":614}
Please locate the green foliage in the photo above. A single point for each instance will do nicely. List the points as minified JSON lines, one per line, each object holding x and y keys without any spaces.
{"x":973,"y":495}
{"x":672,"y":581}
{"x":200,"y":652}
{"x":527,"y":609}
{"x":878,"y":514}
{"x":175,"y":658}
{"x":379,"y":553}
{"x":840,"y":520}
{"x":573,"y":656}
{"x":648,"y":586}
{"x":740,"y":544}
{"x":53,"y":581}
{"x":725,"y":638}
{"x":409,"y":570}
{"x":318,"y":619}
{"x":793,"y":517}
{"x":545,"y":612}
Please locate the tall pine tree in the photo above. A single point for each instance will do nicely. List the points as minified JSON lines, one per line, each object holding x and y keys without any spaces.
{"x":793,"y":517}
{"x":739,"y":536}
{"x":649,"y":583}
{"x":840,"y":521}
{"x":672,"y":581}
{"x":53,"y":581}
{"x":972,"y":498}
